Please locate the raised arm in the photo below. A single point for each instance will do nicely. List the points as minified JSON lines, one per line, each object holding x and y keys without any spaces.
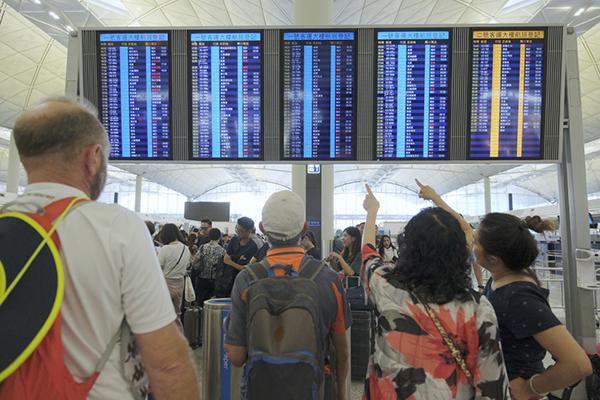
{"x":428,"y":193}
{"x":371,"y":206}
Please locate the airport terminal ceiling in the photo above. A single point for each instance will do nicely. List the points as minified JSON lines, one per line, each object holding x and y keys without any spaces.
{"x":33,"y":61}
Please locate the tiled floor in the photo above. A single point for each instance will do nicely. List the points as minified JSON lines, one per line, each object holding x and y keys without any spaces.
{"x":356,"y":386}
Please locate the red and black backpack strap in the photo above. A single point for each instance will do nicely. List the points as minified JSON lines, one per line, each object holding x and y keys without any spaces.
{"x":53,"y":213}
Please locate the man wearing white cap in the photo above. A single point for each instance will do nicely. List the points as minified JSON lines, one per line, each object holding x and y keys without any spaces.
{"x":284,"y":223}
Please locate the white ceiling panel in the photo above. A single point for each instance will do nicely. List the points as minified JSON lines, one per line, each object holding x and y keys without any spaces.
{"x":447,"y":15}
{"x":278,"y":12}
{"x":32,"y":66}
{"x":245,"y":12}
{"x":212,"y":13}
{"x":348,"y":12}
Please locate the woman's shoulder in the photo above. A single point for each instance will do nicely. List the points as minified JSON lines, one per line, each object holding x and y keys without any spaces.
{"x":515,"y":291}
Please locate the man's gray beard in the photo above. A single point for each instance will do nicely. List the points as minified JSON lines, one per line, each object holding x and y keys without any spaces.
{"x":97,"y":184}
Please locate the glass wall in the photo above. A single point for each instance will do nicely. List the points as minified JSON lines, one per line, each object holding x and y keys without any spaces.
{"x":156,"y":199}
{"x":470,"y":200}
{"x":242,"y":202}
{"x":399,"y":204}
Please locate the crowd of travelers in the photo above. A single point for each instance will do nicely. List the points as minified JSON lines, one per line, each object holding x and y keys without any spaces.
{"x":434,"y":335}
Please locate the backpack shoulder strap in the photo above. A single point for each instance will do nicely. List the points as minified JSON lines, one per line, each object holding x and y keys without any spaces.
{"x":111,"y":345}
{"x":259,"y":270}
{"x":62,"y":207}
{"x":310,"y":268}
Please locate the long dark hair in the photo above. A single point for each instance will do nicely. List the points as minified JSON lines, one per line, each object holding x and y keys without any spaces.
{"x":349,"y":254}
{"x":170,"y":233}
{"x":380,"y":247}
{"x":432,"y":258}
{"x":508,"y":238}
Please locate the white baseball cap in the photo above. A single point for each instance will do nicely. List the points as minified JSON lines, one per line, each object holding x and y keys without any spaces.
{"x":283,"y":215}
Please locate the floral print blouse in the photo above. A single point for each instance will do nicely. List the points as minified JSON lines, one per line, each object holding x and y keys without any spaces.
{"x":411,"y":360}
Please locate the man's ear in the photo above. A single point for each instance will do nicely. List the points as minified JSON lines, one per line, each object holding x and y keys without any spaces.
{"x":92,"y":159}
{"x":493,"y":260}
{"x":304,"y":229}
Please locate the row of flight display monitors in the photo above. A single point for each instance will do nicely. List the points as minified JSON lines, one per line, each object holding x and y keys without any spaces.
{"x":412,"y":83}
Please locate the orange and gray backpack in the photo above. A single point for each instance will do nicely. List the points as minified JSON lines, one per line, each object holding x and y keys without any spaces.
{"x":285,"y":350}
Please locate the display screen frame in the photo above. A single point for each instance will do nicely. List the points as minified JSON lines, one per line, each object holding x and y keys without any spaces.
{"x":354,"y":134}
{"x":449,"y":97}
{"x":171,"y":64}
{"x":470,"y":93}
{"x":190,"y":94}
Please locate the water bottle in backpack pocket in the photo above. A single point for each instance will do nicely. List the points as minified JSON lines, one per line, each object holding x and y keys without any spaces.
{"x":285,"y":359}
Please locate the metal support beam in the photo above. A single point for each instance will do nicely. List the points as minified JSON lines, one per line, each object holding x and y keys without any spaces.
{"x":14,"y":164}
{"x":487,"y":194}
{"x":73,"y":61}
{"x":138,"y":193}
{"x":579,"y":302}
{"x":327,"y":221}
{"x":299,"y":180}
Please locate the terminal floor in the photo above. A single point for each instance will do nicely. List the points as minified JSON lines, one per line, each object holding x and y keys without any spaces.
{"x":556,"y":302}
{"x":357,"y":386}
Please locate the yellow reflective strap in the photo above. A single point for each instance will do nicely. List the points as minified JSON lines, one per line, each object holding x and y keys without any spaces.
{"x":2,"y":278}
{"x":47,"y":237}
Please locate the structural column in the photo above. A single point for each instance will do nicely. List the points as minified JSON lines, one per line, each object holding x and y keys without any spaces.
{"x":574,"y":224}
{"x":14,"y":163}
{"x":306,"y":13}
{"x":299,"y":180}
{"x":316,"y":188}
{"x":487,"y":194}
{"x":138,"y":193}
{"x":327,"y":222}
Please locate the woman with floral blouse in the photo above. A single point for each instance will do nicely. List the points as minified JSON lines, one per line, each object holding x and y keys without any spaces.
{"x":455,"y":355}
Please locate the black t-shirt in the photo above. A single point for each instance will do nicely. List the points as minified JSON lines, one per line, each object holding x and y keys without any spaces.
{"x":522,"y":310}
{"x":202,"y":240}
{"x":314,"y":253}
{"x":262,"y":252}
{"x":241,"y":254}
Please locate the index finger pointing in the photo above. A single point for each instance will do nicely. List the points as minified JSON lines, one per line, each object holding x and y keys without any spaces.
{"x":419,"y":183}
{"x":368,"y":189}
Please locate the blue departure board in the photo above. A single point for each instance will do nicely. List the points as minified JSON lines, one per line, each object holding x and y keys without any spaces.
{"x":507,"y":89}
{"x":318,"y":87}
{"x":226,"y":95}
{"x":134,"y":82}
{"x":412,"y":94}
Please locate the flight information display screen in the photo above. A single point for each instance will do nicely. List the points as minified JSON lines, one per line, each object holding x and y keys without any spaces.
{"x":412,"y":94}
{"x":134,"y":82}
{"x":319,"y":87}
{"x":507,"y":89}
{"x":226,"y":95}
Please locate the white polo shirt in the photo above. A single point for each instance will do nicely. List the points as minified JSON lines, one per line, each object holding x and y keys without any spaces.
{"x":111,"y":271}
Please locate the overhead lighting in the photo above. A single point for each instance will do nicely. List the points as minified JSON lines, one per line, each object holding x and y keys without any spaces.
{"x":37,"y":1}
{"x":514,"y":5}
{"x":579,"y":12}
{"x":54,"y":15}
{"x":69,"y":28}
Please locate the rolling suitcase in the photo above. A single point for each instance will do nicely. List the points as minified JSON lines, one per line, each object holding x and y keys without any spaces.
{"x":192,"y":320}
{"x":360,"y":343}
